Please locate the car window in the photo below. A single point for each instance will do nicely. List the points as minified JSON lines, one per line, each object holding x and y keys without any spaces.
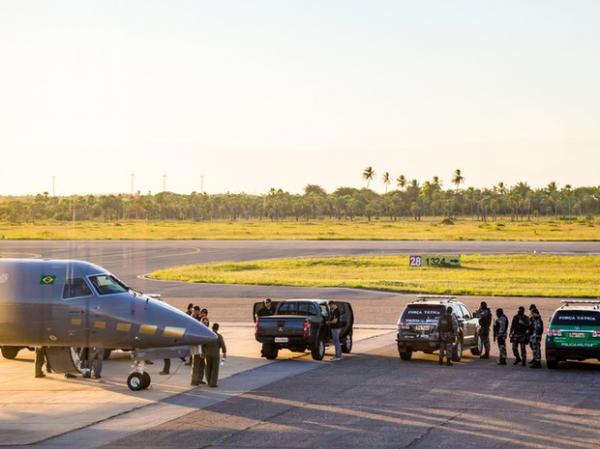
{"x":465,"y":311}
{"x":418,"y":313}
{"x":577,"y":318}
{"x":106,"y":284}
{"x":75,"y":288}
{"x":457,"y":310}
{"x":307,"y":308}
{"x":324,"y":310}
{"x":287,"y":308}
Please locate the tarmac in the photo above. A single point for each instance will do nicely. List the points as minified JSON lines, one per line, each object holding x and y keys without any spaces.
{"x":368,"y":400}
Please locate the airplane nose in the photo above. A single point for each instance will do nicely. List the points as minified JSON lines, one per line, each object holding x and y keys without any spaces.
{"x":197,"y":333}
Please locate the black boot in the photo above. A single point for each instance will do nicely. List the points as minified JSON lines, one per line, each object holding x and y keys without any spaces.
{"x":536,"y":364}
{"x":523,"y":362}
{"x":449,"y":363}
{"x":517,"y":361}
{"x":502,"y":361}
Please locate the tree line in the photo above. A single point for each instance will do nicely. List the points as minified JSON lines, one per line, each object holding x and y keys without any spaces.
{"x":407,"y":199}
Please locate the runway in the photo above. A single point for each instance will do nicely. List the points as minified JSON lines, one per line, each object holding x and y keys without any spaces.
{"x":131,"y":259}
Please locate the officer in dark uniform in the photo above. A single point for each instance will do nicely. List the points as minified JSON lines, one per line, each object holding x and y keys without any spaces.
{"x":500,"y":333}
{"x":267,"y":309}
{"x":447,"y":328}
{"x":519,"y":329}
{"x":535,"y":338}
{"x":485,"y":321}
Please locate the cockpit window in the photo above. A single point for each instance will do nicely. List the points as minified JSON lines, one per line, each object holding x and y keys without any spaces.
{"x":75,"y":288}
{"x":106,"y":284}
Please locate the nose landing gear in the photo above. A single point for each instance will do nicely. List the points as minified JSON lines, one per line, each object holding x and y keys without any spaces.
{"x":138,"y":379}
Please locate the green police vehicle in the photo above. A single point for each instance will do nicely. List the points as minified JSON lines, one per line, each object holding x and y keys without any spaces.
{"x":574,"y":332}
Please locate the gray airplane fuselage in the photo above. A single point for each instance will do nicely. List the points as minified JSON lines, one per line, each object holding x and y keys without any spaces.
{"x":69,"y":303}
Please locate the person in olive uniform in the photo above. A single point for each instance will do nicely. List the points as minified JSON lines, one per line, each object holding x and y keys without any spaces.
{"x":447,"y":328}
{"x":213,"y":359}
{"x":500,"y":334}
{"x":198,"y":359}
{"x":485,"y":321}
{"x":519,"y":329}
{"x":535,"y":338}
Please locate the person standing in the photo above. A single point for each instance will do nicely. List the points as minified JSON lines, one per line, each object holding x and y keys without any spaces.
{"x":95,"y":362}
{"x":447,"y":328}
{"x":199,"y":357}
{"x":213,"y":359}
{"x":267,"y":309}
{"x":485,"y":321}
{"x":335,"y":324}
{"x":500,"y":333}
{"x":519,"y":328}
{"x":535,"y":338}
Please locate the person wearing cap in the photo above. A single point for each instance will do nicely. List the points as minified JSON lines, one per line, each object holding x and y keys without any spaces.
{"x":500,"y":333}
{"x":535,"y":337}
{"x":484,"y":314}
{"x":335,"y":324}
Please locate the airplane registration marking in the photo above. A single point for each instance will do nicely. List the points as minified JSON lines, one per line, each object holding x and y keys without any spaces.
{"x":100,"y":324}
{"x":76,"y":321}
{"x":123,"y":327}
{"x":148,"y":329}
{"x":176,"y":332}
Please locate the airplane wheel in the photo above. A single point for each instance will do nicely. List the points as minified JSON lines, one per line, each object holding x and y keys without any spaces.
{"x":10,"y":352}
{"x":147,"y":379}
{"x":135,"y":381}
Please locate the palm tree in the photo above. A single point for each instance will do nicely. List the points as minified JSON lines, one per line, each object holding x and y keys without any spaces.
{"x":368,"y":175}
{"x":457,"y":178}
{"x":401,"y":181}
{"x":386,"y":180}
{"x":436,"y":182}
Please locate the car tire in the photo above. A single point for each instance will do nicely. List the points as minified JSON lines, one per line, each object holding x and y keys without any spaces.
{"x":270,"y":352}
{"x":347,"y":344}
{"x":552,"y":363}
{"x":406,"y":354}
{"x":10,"y":352}
{"x":318,"y":349}
{"x":457,"y":350}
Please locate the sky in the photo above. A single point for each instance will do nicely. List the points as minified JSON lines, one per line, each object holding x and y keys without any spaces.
{"x":242,"y":96}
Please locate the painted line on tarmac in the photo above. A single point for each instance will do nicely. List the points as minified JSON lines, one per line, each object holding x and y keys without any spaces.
{"x":149,"y":416}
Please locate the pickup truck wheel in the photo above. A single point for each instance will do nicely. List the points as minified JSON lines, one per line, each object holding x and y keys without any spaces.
{"x":406,"y":354}
{"x":457,"y":350}
{"x":10,"y":352}
{"x":347,"y":344}
{"x":270,"y":352}
{"x":318,"y":349}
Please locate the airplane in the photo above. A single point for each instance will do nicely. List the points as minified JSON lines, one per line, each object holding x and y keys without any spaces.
{"x":67,"y":304}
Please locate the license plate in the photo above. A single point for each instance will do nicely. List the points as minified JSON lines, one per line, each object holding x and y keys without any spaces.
{"x":577,"y":334}
{"x":421,"y":328}
{"x":281,"y":339}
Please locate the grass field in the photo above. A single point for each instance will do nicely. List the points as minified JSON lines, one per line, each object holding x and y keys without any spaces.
{"x":427,"y":229}
{"x":501,"y":275}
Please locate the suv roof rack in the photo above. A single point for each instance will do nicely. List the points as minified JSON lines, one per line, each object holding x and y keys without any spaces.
{"x":436,"y":298}
{"x":567,"y":302}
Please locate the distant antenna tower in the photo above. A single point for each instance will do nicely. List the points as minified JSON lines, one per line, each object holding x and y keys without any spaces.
{"x":53,"y":185}
{"x":132,"y":179}
{"x":164,"y":182}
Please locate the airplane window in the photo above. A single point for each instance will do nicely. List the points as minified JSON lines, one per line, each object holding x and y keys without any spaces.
{"x":75,"y":288}
{"x":107,"y":285}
